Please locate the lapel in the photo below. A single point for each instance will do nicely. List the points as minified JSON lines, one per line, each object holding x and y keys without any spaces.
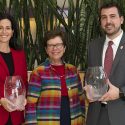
{"x":15,"y":59}
{"x":120,"y":51}
{"x":100,"y":50}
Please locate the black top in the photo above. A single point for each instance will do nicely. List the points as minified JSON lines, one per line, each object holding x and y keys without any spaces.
{"x":9,"y":61}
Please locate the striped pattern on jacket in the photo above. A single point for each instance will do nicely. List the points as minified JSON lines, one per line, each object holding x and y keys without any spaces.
{"x":44,"y":96}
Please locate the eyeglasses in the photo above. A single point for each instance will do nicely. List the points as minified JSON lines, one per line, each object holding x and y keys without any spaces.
{"x":58,"y":46}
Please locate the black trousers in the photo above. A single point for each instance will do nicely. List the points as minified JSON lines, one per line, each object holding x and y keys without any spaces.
{"x":9,"y":122}
{"x":103,"y":117}
{"x":65,"y":111}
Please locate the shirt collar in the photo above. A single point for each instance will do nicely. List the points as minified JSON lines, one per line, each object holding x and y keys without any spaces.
{"x":116,"y":41}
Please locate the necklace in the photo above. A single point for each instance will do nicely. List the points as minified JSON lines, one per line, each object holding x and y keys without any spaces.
{"x":59,"y":69}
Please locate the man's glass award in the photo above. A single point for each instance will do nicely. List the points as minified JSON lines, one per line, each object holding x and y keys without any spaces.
{"x":95,"y":81}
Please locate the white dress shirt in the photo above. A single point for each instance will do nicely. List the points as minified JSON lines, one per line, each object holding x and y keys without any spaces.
{"x":115,"y":45}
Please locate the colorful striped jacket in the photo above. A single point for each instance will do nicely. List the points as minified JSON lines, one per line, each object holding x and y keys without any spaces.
{"x":44,"y":96}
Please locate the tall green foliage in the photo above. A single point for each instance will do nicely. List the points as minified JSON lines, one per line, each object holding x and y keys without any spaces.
{"x":80,"y":24}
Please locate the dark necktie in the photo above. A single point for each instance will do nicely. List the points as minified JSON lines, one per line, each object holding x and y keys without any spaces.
{"x":108,"y":58}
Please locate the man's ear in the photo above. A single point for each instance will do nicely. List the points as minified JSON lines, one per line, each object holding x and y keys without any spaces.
{"x":122,"y":19}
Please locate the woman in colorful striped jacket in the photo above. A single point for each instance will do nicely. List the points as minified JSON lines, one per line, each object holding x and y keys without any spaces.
{"x":55,"y":94}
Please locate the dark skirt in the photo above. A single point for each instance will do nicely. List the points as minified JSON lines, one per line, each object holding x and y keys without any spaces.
{"x":65,"y":111}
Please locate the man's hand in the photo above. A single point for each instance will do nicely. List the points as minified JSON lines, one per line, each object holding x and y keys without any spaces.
{"x":112,"y":94}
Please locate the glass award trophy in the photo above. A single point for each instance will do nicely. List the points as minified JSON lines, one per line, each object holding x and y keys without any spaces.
{"x":95,"y":81}
{"x":14,"y":91}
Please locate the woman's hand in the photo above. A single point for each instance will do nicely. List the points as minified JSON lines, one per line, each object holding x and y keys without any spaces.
{"x":9,"y":106}
{"x":22,"y":107}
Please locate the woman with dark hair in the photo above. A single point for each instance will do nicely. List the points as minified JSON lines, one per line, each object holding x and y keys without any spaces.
{"x":55,"y":94}
{"x":12,"y":63}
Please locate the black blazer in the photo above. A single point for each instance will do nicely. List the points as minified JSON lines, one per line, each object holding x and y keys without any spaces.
{"x":116,"y":108}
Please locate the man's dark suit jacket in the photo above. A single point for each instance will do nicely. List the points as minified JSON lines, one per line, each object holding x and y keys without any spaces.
{"x":116,"y":108}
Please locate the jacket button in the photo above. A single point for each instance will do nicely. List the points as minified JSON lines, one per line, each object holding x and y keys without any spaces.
{"x":69,"y":88}
{"x":70,"y":100}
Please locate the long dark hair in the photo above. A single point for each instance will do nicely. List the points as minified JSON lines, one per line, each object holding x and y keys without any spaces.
{"x":13,"y":43}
